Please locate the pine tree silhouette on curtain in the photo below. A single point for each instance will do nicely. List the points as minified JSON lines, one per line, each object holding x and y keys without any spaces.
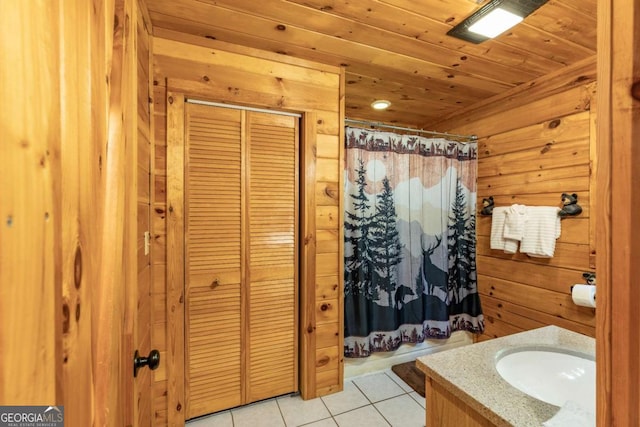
{"x":385,"y":242}
{"x":462,"y":255}
{"x":359,"y":266}
{"x":470,"y":285}
{"x":458,"y":245}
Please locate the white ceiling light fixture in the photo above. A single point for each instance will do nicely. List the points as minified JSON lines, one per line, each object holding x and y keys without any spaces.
{"x":380,"y":104}
{"x":493,"y":19}
{"x":495,"y":23}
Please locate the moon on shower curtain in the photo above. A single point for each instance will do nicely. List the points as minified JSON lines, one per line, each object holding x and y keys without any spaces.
{"x":376,"y":170}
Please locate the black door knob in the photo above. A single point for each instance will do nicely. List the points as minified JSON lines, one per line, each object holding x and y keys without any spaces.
{"x":152,"y":361}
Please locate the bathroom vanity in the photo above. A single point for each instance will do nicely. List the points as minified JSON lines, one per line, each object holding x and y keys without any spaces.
{"x":464,"y":388}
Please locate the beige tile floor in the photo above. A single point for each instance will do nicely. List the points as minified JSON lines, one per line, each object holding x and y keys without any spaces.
{"x":379,"y":399}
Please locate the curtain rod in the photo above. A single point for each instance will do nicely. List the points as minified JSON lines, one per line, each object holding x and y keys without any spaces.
{"x":471,"y":138}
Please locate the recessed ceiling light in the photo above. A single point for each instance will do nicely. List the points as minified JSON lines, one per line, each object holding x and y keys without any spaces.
{"x":493,"y":19}
{"x":380,"y":104}
{"x":495,"y":23}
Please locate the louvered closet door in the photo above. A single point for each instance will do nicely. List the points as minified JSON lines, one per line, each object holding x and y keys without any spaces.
{"x":241,"y":187}
{"x":272,"y":142}
{"x":214,"y":252}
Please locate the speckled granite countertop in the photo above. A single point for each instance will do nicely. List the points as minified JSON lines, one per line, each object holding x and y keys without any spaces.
{"x":469,"y":373}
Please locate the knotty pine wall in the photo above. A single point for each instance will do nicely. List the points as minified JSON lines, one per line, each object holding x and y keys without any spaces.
{"x":69,"y":208}
{"x":215,"y":71}
{"x":31,"y":247}
{"x":536,"y":143}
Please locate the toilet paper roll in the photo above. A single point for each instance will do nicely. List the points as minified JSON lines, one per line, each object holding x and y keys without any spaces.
{"x":584,"y":295}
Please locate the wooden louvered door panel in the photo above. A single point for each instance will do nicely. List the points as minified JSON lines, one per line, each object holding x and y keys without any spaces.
{"x":272,"y":188}
{"x":213,"y":258}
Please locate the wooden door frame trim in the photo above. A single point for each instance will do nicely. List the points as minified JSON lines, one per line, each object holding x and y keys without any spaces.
{"x":603,"y":220}
{"x":307,"y":278}
{"x":175,"y":260}
{"x":618,"y":347}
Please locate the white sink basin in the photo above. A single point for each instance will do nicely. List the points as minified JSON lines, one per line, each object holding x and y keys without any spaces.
{"x":551,"y":375}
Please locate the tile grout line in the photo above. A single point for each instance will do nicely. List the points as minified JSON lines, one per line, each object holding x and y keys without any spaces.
{"x":315,"y":421}
{"x":400,"y":385}
{"x":281,"y":414}
{"x":327,"y":408}
{"x":383,"y":400}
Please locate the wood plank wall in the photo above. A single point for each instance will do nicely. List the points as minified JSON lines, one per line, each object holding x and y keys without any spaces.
{"x":215,"y":71}
{"x":67,"y":144}
{"x":30,"y":205}
{"x":535,"y":144}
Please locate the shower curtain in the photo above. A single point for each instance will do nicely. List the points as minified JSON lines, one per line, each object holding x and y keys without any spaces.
{"x":409,"y":231}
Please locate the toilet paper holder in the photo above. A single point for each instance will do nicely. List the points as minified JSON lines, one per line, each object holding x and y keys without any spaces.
{"x":589,"y":277}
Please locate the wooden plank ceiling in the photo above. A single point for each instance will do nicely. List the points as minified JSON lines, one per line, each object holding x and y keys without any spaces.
{"x":396,"y":49}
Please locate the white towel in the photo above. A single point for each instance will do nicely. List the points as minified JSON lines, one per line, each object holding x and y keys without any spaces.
{"x":542,"y":228}
{"x":515,"y":218}
{"x":571,"y":415}
{"x":498,"y":241}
